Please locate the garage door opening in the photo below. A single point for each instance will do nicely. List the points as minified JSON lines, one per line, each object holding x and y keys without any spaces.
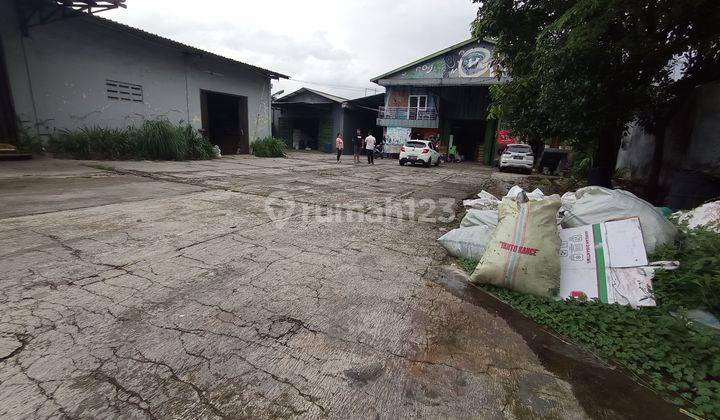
{"x":305,"y":133}
{"x":305,"y":126}
{"x":469,"y":137}
{"x":225,"y":121}
{"x":7,"y":111}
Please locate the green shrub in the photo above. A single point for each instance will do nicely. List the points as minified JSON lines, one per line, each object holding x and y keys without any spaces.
{"x":109,"y":143}
{"x":677,"y":357}
{"x":269,"y":147}
{"x":197,"y":146}
{"x":159,"y":140}
{"x":27,"y":141}
{"x":71,"y":144}
{"x":581,"y":166}
{"x":93,"y":143}
{"x":697,"y":282}
{"x":153,"y":139}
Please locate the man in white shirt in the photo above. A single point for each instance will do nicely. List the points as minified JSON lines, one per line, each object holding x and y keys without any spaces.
{"x":370,"y":148}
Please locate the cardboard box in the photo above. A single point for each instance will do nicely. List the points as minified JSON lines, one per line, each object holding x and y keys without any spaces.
{"x":607,"y":262}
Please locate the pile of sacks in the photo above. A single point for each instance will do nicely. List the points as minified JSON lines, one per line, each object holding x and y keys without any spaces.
{"x":592,"y":243}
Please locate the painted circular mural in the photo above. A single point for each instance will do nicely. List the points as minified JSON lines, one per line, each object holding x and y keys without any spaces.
{"x":474,"y":62}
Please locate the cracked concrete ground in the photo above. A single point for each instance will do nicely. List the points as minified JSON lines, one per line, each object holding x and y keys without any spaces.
{"x":166,"y":290}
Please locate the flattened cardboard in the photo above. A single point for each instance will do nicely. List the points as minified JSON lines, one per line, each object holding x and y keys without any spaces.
{"x":605,"y":262}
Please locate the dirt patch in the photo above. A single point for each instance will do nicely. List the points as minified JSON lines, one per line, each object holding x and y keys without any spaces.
{"x":363,"y":375}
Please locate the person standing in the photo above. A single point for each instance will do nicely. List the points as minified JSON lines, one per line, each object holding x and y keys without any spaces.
{"x":370,"y":148}
{"x":357,"y":145}
{"x":339,"y":145}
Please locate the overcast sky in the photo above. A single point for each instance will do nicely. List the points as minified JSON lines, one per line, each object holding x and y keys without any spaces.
{"x":337,"y":43}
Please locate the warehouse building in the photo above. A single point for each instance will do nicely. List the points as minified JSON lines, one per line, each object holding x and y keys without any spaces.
{"x":443,"y":97}
{"x":63,"y":67}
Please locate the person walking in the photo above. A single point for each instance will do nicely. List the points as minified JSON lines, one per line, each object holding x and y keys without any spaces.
{"x":370,"y":148}
{"x":339,"y":145}
{"x":357,"y":145}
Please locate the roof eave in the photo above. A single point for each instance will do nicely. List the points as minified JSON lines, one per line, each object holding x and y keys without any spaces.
{"x":331,"y":98}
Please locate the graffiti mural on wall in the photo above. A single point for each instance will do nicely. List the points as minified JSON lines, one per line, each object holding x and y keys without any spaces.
{"x":469,"y":61}
{"x":475,"y":62}
{"x":397,"y":135}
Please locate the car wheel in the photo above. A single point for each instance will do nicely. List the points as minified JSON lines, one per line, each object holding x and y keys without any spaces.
{"x":501,"y":169}
{"x":437,"y":162}
{"x":402,"y":163}
{"x":427,"y":164}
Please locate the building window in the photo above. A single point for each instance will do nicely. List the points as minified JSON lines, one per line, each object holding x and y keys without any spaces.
{"x":122,"y":91}
{"x":417,"y":101}
{"x":417,"y":107}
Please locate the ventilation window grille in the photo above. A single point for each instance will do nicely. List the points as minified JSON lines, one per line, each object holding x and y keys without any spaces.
{"x":122,"y":91}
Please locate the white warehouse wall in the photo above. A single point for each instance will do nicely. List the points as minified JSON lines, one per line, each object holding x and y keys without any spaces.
{"x":58,"y":73}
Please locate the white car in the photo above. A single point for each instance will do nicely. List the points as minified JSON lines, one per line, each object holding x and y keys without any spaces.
{"x":517,"y":156}
{"x":419,"y":151}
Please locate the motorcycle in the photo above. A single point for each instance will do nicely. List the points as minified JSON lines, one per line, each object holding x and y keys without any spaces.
{"x":378,"y":151}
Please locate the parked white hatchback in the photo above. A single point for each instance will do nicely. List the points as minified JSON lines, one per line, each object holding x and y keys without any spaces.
{"x":419,"y":151}
{"x":517,"y":156}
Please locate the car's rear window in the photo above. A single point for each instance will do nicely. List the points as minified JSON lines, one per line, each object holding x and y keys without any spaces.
{"x":415,"y":144}
{"x":520,"y":149}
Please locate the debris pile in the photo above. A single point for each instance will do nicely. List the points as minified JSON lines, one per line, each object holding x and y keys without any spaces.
{"x":706,"y":216}
{"x":592,"y":205}
{"x":588,"y":244}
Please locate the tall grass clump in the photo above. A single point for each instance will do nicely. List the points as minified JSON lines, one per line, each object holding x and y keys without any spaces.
{"x":198,"y":147}
{"x":93,"y":143}
{"x":27,"y":141}
{"x":157,"y":139}
{"x":269,"y":147}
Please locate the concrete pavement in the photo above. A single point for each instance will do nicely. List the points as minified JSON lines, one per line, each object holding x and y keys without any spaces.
{"x":180,"y":289}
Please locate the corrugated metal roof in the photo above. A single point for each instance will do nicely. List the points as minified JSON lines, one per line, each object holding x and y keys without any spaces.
{"x":179,"y":45}
{"x":317,"y":92}
{"x":378,"y":97}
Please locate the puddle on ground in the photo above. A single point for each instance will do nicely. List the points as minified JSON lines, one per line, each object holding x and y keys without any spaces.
{"x":604,"y":391}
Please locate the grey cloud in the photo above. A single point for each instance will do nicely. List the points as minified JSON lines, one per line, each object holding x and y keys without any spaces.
{"x":283,"y":46}
{"x":360,"y":40}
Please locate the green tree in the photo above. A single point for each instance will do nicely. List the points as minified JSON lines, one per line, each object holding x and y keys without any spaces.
{"x":583,"y":69}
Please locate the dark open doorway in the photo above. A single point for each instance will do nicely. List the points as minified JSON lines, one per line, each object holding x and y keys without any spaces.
{"x":225,"y":121}
{"x":305,"y":133}
{"x":8,"y":133}
{"x":305,"y":126}
{"x":468,"y":136}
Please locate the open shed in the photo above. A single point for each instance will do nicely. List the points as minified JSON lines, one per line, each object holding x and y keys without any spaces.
{"x":310,"y":119}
